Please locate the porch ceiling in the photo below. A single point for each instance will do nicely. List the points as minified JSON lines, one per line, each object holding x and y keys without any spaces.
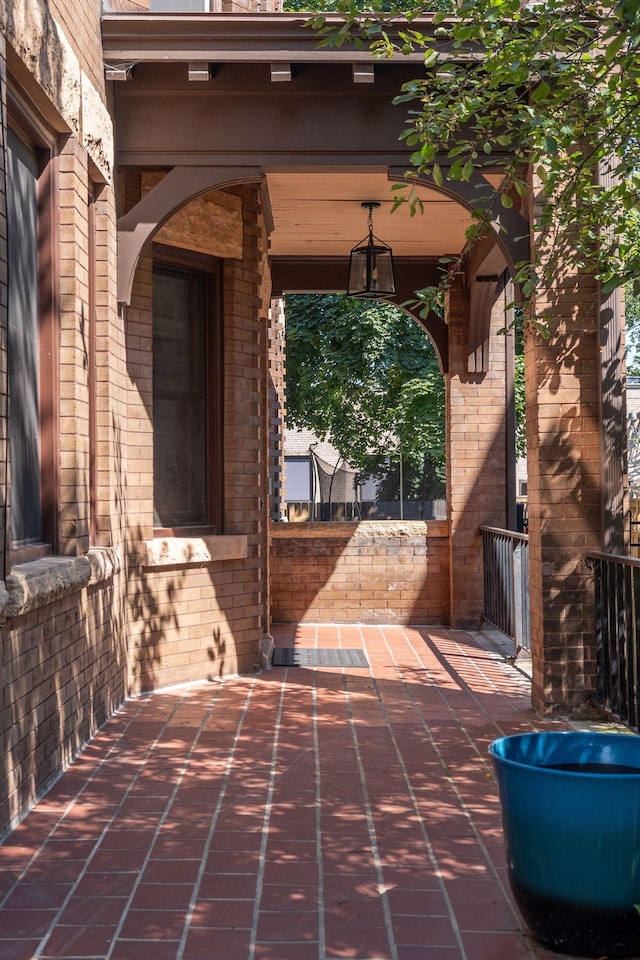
{"x":320,"y":215}
{"x":218,"y":99}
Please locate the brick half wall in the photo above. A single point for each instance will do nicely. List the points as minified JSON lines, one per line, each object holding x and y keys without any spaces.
{"x":369,"y":572}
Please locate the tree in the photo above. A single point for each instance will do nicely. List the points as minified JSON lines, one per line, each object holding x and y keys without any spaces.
{"x":632,"y":331}
{"x":366,"y":376}
{"x":549,"y":89}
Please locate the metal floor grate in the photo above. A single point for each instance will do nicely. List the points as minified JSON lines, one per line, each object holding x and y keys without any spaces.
{"x":311,"y":657}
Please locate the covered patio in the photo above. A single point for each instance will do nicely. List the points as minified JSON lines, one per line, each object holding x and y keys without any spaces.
{"x":225,"y":158}
{"x":304,"y":812}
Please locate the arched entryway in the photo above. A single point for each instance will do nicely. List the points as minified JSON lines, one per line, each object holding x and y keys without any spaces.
{"x":314,"y":122}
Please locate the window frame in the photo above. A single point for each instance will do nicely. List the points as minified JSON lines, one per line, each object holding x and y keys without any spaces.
{"x":308,"y":461}
{"x":92,"y":362}
{"x":28,"y":127}
{"x":211,"y":268}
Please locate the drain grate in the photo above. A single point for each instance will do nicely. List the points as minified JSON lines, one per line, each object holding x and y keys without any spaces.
{"x":310,"y":657}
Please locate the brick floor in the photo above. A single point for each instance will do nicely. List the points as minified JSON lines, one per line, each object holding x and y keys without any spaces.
{"x":304,"y":814}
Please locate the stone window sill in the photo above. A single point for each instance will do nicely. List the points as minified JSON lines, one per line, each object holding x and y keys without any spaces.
{"x":34,"y":584}
{"x":199,"y":551}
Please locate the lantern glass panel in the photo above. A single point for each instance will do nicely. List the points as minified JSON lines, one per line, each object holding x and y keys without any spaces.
{"x":380,"y":271}
{"x":357,"y":272}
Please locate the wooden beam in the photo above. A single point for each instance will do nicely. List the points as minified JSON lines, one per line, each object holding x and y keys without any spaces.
{"x":227,"y":38}
{"x":280,"y":72}
{"x":483,"y":295}
{"x":363,"y":73}
{"x":117,"y":71}
{"x":199,"y":71}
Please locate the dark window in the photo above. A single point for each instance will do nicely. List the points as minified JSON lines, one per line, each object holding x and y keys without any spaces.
{"x":187,"y":398}
{"x":23,"y":343}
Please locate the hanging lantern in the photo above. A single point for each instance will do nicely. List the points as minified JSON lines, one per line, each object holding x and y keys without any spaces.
{"x":371,"y":264}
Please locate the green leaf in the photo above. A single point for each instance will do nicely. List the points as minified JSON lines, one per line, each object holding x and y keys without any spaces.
{"x":614,"y":47}
{"x":541,"y":92}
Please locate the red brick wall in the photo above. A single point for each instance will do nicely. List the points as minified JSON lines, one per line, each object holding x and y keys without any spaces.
{"x":4,"y":452}
{"x":564,"y":492}
{"x":384,"y":572}
{"x":64,"y":662}
{"x":194,"y":621}
{"x":63,"y":675}
{"x":476,"y":451}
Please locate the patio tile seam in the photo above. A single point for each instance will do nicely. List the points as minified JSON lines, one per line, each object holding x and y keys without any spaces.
{"x":462,"y":684}
{"x":188,"y":926}
{"x":322,"y":941}
{"x":517,"y":677}
{"x":165,"y":814}
{"x":41,"y":948}
{"x":395,"y":717}
{"x":423,"y":827}
{"x":267,"y":816}
{"x":386,"y":908}
{"x":465,"y":810}
{"x":452,"y":709}
{"x":68,"y":806}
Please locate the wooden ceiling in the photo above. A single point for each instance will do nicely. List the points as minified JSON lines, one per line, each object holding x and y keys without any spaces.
{"x":319,"y":214}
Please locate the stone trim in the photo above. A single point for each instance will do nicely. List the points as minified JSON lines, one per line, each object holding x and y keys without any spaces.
{"x":363,"y":529}
{"x":31,"y":585}
{"x":34,"y":584}
{"x":105,"y":563}
{"x":183,"y":551}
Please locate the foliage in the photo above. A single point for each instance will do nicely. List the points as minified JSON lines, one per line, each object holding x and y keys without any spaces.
{"x":521,"y":422}
{"x":364,"y":375}
{"x":550,"y":88}
{"x":632,"y":331}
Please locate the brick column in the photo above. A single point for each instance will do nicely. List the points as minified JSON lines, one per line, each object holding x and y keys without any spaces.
{"x":72,"y":198}
{"x":4,"y":386}
{"x":476,"y":451}
{"x":564,"y":489}
{"x":111,"y":382}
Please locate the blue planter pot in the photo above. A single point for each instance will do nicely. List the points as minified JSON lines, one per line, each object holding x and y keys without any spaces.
{"x":571,"y":817}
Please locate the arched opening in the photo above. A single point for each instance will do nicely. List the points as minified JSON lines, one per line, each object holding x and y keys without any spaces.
{"x":364,"y":417}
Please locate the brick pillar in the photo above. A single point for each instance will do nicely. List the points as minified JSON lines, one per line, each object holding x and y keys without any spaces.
{"x":111,"y":382}
{"x":276,"y":395}
{"x":4,"y":387}
{"x":74,"y":320}
{"x":476,"y":449}
{"x":564,"y":491}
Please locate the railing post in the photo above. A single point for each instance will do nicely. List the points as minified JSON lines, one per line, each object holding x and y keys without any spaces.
{"x":518,"y":606}
{"x":506,"y":583}
{"x":617,"y":586}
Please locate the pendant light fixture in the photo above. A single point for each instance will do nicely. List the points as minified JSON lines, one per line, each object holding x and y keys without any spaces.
{"x":371,"y":264}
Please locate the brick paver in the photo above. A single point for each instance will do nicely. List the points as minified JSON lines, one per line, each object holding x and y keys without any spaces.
{"x":303,"y":814}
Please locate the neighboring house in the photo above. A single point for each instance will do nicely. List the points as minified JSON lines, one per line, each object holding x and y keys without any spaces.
{"x":319,"y":484}
{"x":633,"y":431}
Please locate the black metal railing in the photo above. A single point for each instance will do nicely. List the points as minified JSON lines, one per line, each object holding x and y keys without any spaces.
{"x":506,"y":584}
{"x":634,"y":539}
{"x":617,"y":597}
